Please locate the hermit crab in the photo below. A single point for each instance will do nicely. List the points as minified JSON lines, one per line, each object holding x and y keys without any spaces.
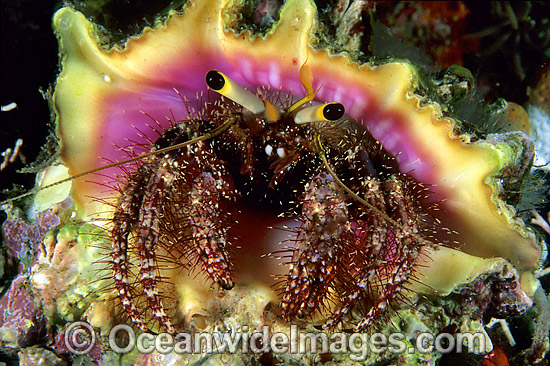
{"x":360,"y":228}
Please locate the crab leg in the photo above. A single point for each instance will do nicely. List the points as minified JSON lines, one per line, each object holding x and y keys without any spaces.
{"x":124,"y":220}
{"x":147,"y":236}
{"x":209,"y":227}
{"x":366,"y":289}
{"x":387,"y":257}
{"x":171,"y":182}
{"x":319,"y":245}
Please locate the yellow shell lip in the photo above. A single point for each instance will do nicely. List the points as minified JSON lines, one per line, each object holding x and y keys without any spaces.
{"x":102,"y":97}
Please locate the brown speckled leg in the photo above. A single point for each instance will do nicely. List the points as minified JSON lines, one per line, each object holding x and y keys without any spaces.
{"x":148,"y":236}
{"x":209,"y":228}
{"x":386,"y":255}
{"x":124,"y":219}
{"x":319,"y":243}
{"x":172,"y":201}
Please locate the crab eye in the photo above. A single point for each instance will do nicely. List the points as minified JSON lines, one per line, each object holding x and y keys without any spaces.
{"x":228,"y":88}
{"x":215,"y":80}
{"x":333,"y":111}
{"x":323,"y":112}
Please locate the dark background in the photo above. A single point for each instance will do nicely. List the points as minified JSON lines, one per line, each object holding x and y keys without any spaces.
{"x":29,"y":64}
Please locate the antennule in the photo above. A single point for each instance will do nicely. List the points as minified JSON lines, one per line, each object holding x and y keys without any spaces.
{"x":306,"y":78}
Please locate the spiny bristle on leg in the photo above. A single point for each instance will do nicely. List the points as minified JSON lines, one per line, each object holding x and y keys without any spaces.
{"x":124,"y":219}
{"x":319,"y":245}
{"x":208,"y":231}
{"x":147,"y":239}
{"x":385,"y":255}
{"x":163,"y":204}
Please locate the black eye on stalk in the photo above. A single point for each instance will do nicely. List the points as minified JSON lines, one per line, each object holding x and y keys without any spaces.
{"x":215,"y":80}
{"x":333,"y":111}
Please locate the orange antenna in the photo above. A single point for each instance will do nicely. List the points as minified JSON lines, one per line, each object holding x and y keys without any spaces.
{"x":306,"y":77}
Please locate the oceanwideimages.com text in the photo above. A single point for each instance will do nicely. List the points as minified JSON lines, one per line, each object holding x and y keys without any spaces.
{"x":80,"y":339}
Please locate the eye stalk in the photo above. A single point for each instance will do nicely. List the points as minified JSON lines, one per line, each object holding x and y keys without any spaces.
{"x":220,"y":83}
{"x":322,"y":112}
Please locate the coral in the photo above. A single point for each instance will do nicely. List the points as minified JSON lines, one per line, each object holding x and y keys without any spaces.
{"x":516,"y":28}
{"x":541,"y":340}
{"x":513,"y":45}
{"x":540,"y":94}
{"x":39,"y":356}
{"x":21,"y":323}
{"x":435,"y":27}
{"x":496,"y":357}
{"x":63,"y":279}
{"x":539,"y":115}
{"x":62,"y":342}
{"x":497,"y":294}
{"x":22,"y":240}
